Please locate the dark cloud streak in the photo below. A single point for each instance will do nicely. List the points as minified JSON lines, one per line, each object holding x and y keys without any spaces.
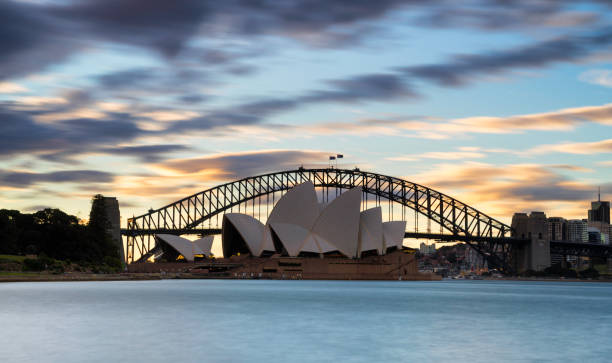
{"x":48,"y":33}
{"x":370,"y":87}
{"x":157,"y":24}
{"x":31,"y":40}
{"x":62,"y":140}
{"x":361,"y":88}
{"x":235,"y":165}
{"x":463,"y":68}
{"x":27,"y":179}
{"x":146,"y":153}
{"x":126,"y":78}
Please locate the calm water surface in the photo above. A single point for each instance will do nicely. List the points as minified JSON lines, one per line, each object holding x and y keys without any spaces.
{"x":305,"y":321}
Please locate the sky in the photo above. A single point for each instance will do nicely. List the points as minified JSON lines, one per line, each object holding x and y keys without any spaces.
{"x":504,"y":105}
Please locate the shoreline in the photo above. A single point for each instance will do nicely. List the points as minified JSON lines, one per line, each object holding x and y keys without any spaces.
{"x":31,"y":277}
{"x":545,"y":279}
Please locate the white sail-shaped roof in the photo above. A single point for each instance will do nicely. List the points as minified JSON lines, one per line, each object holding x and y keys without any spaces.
{"x":371,"y":231}
{"x":291,"y":236}
{"x":205,"y":244}
{"x":393,"y":234}
{"x":322,"y":206}
{"x":300,"y":239}
{"x":316,"y":244}
{"x":298,"y":206}
{"x":310,"y":245}
{"x":250,"y":229}
{"x":338,"y":224}
{"x":304,"y":225}
{"x":324,"y":245}
{"x":182,"y":245}
{"x":267,"y":244}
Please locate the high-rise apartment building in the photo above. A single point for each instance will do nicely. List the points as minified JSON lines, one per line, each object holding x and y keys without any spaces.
{"x":557,"y":229}
{"x":577,"y":230}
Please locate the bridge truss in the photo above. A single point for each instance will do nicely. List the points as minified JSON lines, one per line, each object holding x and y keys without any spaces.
{"x":195,"y":214}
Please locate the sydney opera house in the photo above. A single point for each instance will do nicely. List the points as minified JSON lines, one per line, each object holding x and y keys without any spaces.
{"x":301,"y":239}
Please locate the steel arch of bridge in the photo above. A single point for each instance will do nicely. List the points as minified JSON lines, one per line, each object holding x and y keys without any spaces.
{"x":484,"y":233}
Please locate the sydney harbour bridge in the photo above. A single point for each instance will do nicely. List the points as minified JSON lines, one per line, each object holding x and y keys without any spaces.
{"x":430,"y":214}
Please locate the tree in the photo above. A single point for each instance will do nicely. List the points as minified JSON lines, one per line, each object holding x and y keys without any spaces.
{"x":59,"y":234}
{"x":9,"y":232}
{"x":56,"y":217}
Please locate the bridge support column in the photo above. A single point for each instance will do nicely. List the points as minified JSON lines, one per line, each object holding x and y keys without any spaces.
{"x":111,"y":206}
{"x":610,"y":265}
{"x":536,"y":254}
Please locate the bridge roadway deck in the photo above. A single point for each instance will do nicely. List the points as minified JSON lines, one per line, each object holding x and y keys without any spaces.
{"x":443,"y":238}
{"x":558,"y":247}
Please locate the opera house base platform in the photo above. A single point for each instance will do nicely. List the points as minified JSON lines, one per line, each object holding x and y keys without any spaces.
{"x":396,"y":265}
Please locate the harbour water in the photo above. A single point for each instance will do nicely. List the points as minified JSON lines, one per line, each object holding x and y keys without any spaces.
{"x":305,"y":321}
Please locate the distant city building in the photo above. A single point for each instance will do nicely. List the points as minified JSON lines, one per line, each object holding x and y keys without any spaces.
{"x":600,"y":212}
{"x":602,"y":227}
{"x":595,"y":236}
{"x":577,"y":230}
{"x":557,"y":229}
{"x":599,"y":217}
{"x":426,"y":249}
{"x":474,"y":261}
{"x":541,"y":231}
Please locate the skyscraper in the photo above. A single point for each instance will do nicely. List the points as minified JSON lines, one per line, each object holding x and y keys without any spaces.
{"x":599,"y":217}
{"x":577,"y":230}
{"x":600,"y":211}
